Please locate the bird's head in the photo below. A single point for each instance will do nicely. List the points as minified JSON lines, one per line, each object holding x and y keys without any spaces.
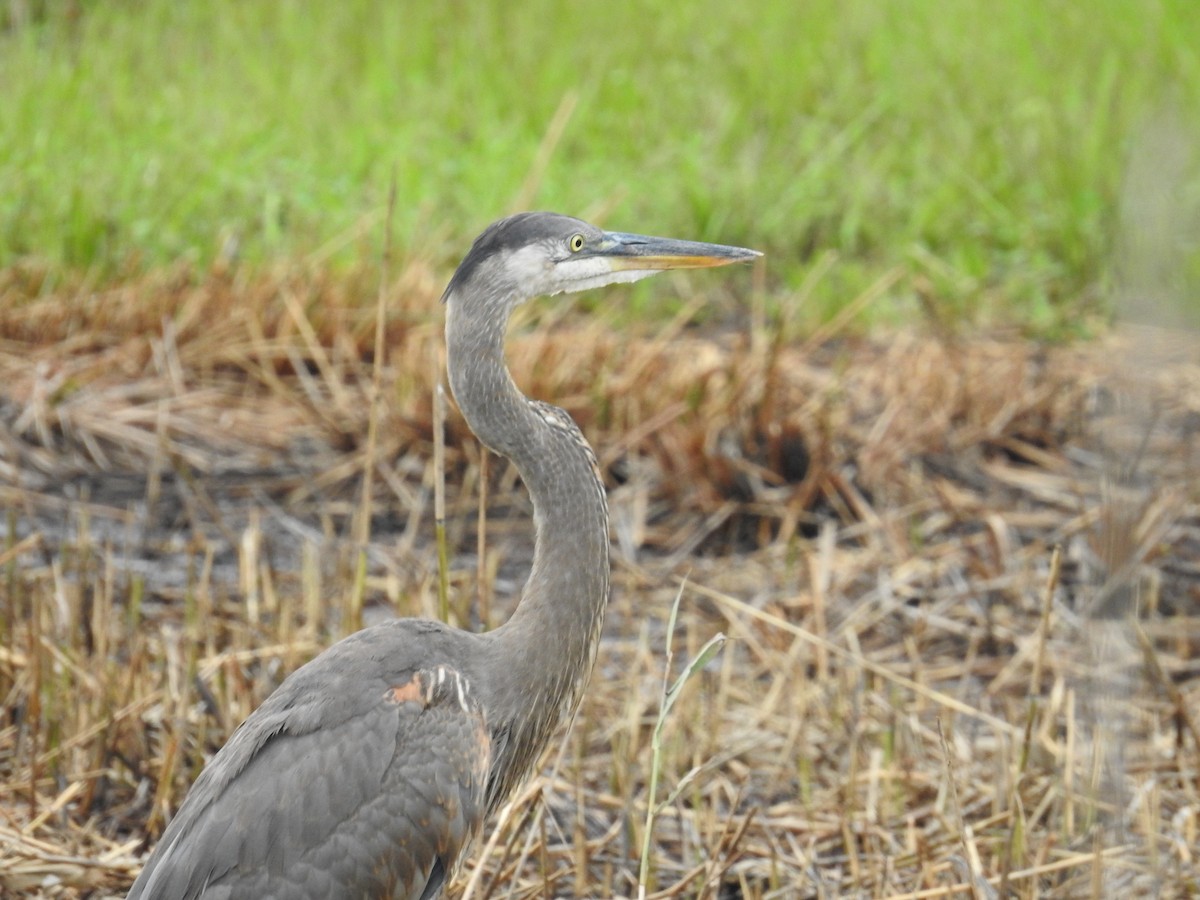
{"x":539,"y":254}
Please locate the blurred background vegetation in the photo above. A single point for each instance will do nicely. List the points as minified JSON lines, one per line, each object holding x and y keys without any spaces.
{"x":971,"y":156}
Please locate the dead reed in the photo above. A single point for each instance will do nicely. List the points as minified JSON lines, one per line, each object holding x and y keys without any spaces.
{"x":958,"y":578}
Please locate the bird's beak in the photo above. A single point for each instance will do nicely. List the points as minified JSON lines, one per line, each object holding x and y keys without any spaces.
{"x":642,"y":253}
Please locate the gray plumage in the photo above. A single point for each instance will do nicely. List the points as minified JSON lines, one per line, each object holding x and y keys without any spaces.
{"x":370,"y":769}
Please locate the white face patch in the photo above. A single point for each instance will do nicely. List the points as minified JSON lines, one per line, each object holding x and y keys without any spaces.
{"x":535,"y":268}
{"x":529,"y":265}
{"x":593,"y":272}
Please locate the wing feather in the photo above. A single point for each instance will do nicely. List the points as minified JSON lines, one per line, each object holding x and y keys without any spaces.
{"x":370,"y":786}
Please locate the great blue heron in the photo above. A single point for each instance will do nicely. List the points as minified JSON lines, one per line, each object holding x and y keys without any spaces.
{"x":369,"y":770}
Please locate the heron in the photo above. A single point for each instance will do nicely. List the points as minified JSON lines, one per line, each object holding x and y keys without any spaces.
{"x":371,"y":768}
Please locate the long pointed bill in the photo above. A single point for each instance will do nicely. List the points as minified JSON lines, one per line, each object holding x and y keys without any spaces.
{"x":638,"y":252}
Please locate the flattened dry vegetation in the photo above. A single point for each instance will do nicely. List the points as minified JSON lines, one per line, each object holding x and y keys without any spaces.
{"x":959,"y":578}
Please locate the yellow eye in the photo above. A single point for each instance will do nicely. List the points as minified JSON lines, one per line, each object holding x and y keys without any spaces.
{"x":576,"y":243}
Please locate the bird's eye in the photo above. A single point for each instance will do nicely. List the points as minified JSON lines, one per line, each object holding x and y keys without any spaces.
{"x":575,"y":243}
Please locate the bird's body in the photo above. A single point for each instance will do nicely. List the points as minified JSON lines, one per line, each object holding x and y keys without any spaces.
{"x":370,"y":769}
{"x":290,"y":813}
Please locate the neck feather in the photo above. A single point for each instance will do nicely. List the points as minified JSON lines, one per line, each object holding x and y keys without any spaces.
{"x":544,"y":653}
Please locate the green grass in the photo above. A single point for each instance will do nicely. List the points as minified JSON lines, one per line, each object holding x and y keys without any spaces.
{"x":980,"y":147}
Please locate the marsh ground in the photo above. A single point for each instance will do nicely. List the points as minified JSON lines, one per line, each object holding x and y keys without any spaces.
{"x":958,"y":578}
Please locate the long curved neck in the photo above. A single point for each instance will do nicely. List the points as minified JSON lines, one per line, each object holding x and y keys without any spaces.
{"x":544,"y":653}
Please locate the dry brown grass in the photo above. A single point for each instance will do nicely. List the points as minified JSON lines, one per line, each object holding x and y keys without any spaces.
{"x":959,"y":578}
